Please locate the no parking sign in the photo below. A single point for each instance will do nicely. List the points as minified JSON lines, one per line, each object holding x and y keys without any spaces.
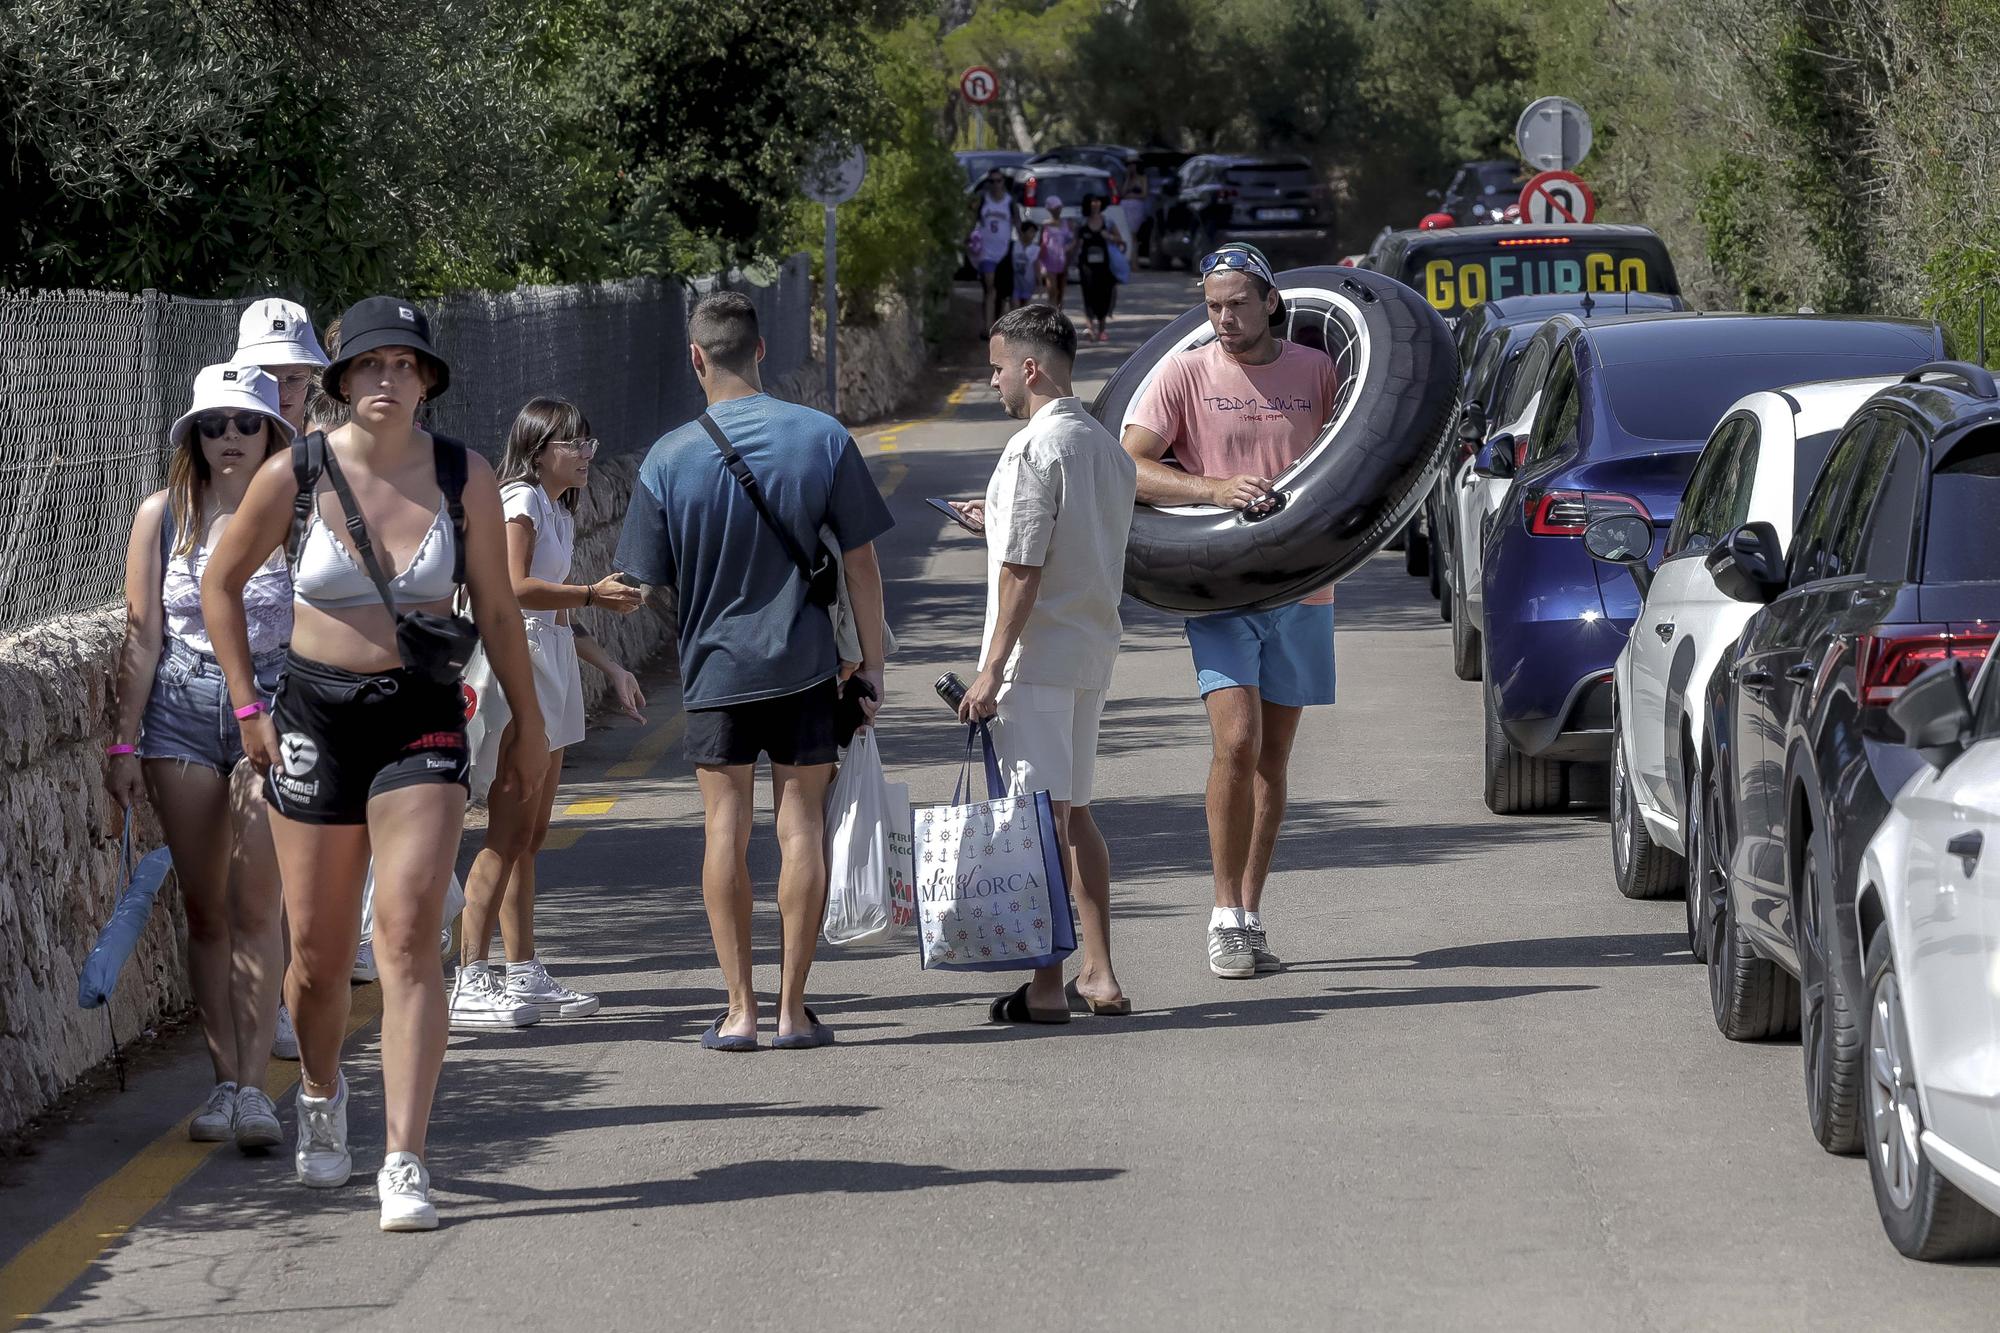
{"x":1557,"y":196}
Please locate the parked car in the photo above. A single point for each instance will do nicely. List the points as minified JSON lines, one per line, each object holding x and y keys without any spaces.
{"x":1492,"y":341}
{"x":1892,"y":568}
{"x":1134,"y":171}
{"x":1481,"y":191}
{"x":1927,"y":920}
{"x":1627,"y":403}
{"x":1756,"y":468}
{"x":1275,"y":203}
{"x":1458,"y":268}
{"x":978,"y":161}
{"x":1035,"y":183}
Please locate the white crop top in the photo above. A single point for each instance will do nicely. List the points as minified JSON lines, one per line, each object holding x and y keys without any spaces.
{"x":329,"y":578}
{"x":555,"y":534}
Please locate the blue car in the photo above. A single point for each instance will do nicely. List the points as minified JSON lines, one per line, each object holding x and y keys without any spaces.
{"x":1627,"y":404}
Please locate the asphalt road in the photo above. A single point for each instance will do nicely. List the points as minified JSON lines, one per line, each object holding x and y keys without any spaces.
{"x":1485,"y":1093}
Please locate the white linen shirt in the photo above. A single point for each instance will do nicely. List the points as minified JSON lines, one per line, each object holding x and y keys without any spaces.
{"x":1061,"y":498}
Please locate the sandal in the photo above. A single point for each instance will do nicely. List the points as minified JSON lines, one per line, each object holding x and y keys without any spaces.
{"x":816,"y":1034}
{"x":1118,"y":1008}
{"x":713,"y":1040}
{"x":1014,"y":1009}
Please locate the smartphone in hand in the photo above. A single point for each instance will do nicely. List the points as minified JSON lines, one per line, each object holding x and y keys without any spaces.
{"x":956,"y":515}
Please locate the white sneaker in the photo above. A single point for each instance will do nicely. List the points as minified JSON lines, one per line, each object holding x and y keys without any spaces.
{"x":285,"y":1041}
{"x":405,"y":1190}
{"x":364,"y":964}
{"x":215,"y":1122}
{"x":257,"y":1120}
{"x":322,"y":1158}
{"x":479,"y":1003}
{"x":530,"y":983}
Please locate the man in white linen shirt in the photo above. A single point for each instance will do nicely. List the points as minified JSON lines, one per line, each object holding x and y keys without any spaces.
{"x":1057,"y":512}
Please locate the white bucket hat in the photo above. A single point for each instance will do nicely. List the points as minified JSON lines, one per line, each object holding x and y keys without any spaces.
{"x":232,"y":388}
{"x":277,"y":333}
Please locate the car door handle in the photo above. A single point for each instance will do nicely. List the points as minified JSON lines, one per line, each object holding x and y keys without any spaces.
{"x":1665,"y":629}
{"x":1804,"y":671}
{"x":1754,"y":681}
{"x":1966,"y":847}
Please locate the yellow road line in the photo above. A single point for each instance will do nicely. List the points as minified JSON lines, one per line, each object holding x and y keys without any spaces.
{"x":62,"y":1254}
{"x":652,"y":747}
{"x":888,"y":438}
{"x":589,"y":807}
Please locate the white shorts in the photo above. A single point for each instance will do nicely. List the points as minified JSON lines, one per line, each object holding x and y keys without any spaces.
{"x":1046,"y":736}
{"x":558,"y":680}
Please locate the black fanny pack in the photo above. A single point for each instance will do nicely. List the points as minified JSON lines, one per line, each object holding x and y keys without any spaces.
{"x":822,"y":575}
{"x":434,"y":646}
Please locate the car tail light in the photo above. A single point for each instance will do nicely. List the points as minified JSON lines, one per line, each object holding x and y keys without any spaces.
{"x":1028,"y":196}
{"x":1892,"y":656}
{"x":1227,"y":194}
{"x":1534,"y":240}
{"x":1114,"y":195}
{"x":1568,"y":513}
{"x":1520,"y":452}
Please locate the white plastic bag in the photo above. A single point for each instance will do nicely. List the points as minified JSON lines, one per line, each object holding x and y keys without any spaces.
{"x":860,"y":908}
{"x":454,"y":903}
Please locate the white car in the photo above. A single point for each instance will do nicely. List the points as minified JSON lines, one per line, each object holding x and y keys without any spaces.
{"x":1757,"y":466}
{"x":1476,"y":497}
{"x":1927,"y":908}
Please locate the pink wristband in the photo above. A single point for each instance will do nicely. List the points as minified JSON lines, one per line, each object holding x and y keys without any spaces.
{"x":112,"y":751}
{"x":248,"y":711}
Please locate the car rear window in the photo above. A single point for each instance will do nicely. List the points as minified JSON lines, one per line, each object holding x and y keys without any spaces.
{"x":1683,"y":398}
{"x":1456,"y":275}
{"x":1807,"y":459}
{"x":1288,"y":174}
{"x":1965,"y":512}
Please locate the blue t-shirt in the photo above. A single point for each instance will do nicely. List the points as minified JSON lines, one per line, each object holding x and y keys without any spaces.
{"x":747,"y":629}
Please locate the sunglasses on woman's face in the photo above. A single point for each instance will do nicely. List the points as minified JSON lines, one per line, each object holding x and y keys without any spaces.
{"x":582,"y":448}
{"x":215,"y":424}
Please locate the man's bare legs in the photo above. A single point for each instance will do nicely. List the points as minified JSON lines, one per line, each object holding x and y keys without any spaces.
{"x":798,"y":795}
{"x":1246,"y":790}
{"x":1090,"y":879}
{"x":728,"y":807}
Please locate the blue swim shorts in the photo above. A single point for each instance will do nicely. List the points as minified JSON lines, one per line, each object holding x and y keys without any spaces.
{"x":1286,"y":654}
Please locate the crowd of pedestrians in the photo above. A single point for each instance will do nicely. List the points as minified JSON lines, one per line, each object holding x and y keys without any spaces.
{"x":291,"y":693}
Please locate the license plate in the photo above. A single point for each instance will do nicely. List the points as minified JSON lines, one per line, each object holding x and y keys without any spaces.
{"x":1277,"y":215}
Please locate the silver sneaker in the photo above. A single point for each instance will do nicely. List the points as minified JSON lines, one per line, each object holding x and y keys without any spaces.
{"x":479,"y":1003}
{"x":285,"y":1039}
{"x":257,"y":1121}
{"x":530,"y":983}
{"x":404,"y":1187}
{"x":215,"y":1122}
{"x":1229,"y":952}
{"x":365,"y":970}
{"x":321,"y":1157}
{"x":1260,"y":950}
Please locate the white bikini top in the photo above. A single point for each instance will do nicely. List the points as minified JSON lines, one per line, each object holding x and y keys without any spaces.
{"x":329,"y":578}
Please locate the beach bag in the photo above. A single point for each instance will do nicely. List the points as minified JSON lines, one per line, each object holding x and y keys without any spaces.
{"x":992,"y":894}
{"x":1121,"y":263}
{"x":861,"y":871}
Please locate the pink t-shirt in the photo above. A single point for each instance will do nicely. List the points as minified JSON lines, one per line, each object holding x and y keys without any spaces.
{"x":1055,"y":241}
{"x":1225,"y":419}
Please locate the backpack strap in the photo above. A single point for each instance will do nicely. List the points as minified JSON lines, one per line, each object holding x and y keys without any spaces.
{"x":451,"y":473}
{"x":308,"y":461}
{"x":166,"y":539}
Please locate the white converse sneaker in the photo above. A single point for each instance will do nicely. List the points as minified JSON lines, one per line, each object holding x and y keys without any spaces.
{"x":530,"y":983}
{"x":285,"y":1040}
{"x":215,"y":1122}
{"x":257,"y":1121}
{"x":479,"y":1003}
{"x":404,"y":1188}
{"x":322,"y":1158}
{"x":364,"y":964}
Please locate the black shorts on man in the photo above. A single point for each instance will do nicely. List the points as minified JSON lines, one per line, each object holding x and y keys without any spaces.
{"x":345,"y":736}
{"x":797,"y":730}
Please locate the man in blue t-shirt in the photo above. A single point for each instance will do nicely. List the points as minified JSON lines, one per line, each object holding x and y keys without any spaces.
{"x":759,"y":675}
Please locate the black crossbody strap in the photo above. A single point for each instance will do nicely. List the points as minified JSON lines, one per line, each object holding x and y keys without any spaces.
{"x":741,"y":471}
{"x":357,"y":532}
{"x":451,"y":472}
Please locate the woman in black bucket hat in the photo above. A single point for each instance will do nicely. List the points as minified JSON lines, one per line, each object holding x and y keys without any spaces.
{"x":363,"y":751}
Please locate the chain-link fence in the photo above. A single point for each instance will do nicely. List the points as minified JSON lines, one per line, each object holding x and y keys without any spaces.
{"x":90,"y":381}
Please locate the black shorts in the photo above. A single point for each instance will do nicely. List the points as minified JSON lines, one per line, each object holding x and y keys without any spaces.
{"x":794,"y":729}
{"x":344,"y":736}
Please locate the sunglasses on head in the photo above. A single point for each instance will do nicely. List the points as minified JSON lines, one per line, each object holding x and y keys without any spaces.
{"x":1240,"y":260}
{"x":214,"y":425}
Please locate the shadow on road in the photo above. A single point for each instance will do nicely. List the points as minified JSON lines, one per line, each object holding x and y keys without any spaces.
{"x":1668,"y":948}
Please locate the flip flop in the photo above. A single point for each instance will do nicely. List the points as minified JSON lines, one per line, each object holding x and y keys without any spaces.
{"x":713,"y":1040}
{"x":1014,"y":1009}
{"x":1118,"y":1008}
{"x":818,"y":1035}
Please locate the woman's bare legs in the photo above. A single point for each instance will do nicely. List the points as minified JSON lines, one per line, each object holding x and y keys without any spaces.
{"x":193,"y":803}
{"x":323,"y":867}
{"x":517,"y":905}
{"x":256,"y":916}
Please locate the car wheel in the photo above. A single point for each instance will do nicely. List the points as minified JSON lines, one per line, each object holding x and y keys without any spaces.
{"x":1924,"y":1214}
{"x":1752,"y":998}
{"x":1465,"y":642}
{"x":1416,"y":552}
{"x":1643,"y":868}
{"x":1517,"y":784}
{"x":1699,"y":839}
{"x":1829,"y":1028}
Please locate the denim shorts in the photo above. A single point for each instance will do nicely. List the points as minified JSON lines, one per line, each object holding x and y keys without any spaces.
{"x":189,"y":716}
{"x":1285,"y":653}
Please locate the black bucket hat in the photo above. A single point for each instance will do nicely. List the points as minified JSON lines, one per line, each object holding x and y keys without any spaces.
{"x":383,"y":321}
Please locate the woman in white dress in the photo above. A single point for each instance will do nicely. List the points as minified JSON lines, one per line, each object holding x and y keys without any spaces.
{"x":546,"y":467}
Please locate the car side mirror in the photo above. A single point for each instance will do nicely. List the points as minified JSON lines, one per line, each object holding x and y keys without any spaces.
{"x":1623,"y":539}
{"x":1496,"y":459}
{"x":1471,"y":424}
{"x":1934,"y":713}
{"x":1748,"y":564}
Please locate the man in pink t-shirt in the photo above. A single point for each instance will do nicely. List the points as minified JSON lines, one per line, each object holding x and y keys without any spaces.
{"x":1236,"y":413}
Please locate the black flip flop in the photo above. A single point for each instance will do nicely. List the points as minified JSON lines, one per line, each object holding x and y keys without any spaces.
{"x":1014,"y":1009}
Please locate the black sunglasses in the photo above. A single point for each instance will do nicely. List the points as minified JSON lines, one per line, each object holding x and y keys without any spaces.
{"x":215,"y":424}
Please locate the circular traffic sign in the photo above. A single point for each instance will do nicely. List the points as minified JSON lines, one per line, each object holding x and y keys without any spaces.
{"x":1557,"y":196}
{"x":835,"y":172}
{"x":979,"y":84}
{"x":1553,"y":134}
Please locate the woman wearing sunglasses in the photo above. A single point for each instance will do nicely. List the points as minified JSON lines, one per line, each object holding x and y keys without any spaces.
{"x":178,"y":737}
{"x":542,"y":475}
